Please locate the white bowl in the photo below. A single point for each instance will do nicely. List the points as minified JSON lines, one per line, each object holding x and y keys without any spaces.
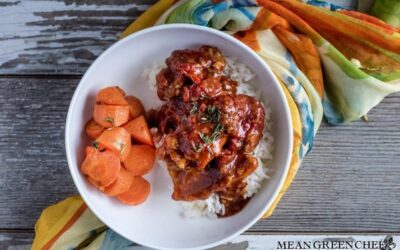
{"x":158,"y":223}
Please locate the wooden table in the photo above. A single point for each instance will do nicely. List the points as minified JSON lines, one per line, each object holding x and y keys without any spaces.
{"x":349,"y":183}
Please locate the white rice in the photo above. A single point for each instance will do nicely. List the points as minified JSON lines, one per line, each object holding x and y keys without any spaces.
{"x":241,"y":73}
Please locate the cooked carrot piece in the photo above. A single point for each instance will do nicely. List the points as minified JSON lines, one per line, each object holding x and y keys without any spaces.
{"x":93,"y":129}
{"x":140,"y":159}
{"x":116,"y":139}
{"x":111,"y":95}
{"x":139,"y":130}
{"x":94,"y":183}
{"x":135,"y":106}
{"x":102,"y":167}
{"x":121,"y":185}
{"x":110,"y":115}
{"x":89,"y":150}
{"x":137,"y":193}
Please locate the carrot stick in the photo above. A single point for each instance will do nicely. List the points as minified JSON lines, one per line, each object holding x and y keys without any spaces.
{"x":121,"y":185}
{"x":140,"y":159}
{"x":139,"y":130}
{"x":93,"y":129}
{"x":102,"y":167}
{"x":111,"y":95}
{"x":116,"y":139}
{"x":137,"y":193}
{"x":111,"y":115}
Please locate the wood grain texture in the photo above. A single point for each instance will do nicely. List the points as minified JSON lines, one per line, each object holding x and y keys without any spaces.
{"x":255,"y":241}
{"x":349,"y":182}
{"x":16,"y":240}
{"x":60,"y":36}
{"x":65,"y":36}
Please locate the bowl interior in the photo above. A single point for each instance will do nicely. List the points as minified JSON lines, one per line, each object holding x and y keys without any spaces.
{"x":158,"y":222}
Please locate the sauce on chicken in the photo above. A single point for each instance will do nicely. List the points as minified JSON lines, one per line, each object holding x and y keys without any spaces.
{"x":209,"y":130}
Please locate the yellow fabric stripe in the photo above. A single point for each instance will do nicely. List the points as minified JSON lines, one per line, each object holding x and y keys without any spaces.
{"x":53,"y":219}
{"x":148,"y":18}
{"x":295,"y":162}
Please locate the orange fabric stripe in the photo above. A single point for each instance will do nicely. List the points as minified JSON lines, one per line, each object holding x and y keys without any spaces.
{"x":74,"y":218}
{"x":265,"y":19}
{"x":249,"y":38}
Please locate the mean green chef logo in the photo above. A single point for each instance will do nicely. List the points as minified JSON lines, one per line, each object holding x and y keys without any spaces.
{"x":389,"y":244}
{"x":339,"y":243}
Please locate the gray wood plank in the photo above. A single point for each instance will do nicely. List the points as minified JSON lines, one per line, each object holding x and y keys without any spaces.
{"x":16,"y":240}
{"x":349,"y":182}
{"x":60,"y":36}
{"x":64,"y":36}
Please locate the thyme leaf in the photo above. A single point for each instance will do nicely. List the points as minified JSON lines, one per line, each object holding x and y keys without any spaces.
{"x":211,"y":114}
{"x":214,"y":135}
{"x":110,"y":120}
{"x":197,"y":148}
{"x":194,"y":108}
{"x":95,"y":144}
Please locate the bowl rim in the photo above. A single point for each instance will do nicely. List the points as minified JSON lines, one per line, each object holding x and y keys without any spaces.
{"x":211,"y":31}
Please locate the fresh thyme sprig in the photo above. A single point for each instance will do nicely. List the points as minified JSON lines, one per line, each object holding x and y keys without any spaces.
{"x":214,"y":135}
{"x":197,"y":148}
{"x":95,"y":144}
{"x":194,"y":108}
{"x":211,"y":114}
{"x":110,"y":120}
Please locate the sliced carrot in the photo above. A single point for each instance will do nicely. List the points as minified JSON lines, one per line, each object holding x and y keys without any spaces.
{"x":102,"y":167}
{"x":111,"y":115}
{"x":95,"y":183}
{"x":116,"y":139}
{"x":137,"y":193}
{"x":135,"y":106}
{"x":140,"y":159}
{"x":89,"y":150}
{"x":93,"y":129}
{"x":139,"y":130}
{"x":121,"y":185}
{"x":111,"y":95}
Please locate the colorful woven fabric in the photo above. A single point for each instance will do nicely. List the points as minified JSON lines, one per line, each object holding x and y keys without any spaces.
{"x":339,"y":63}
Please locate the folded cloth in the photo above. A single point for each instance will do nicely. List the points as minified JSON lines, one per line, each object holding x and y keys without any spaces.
{"x":71,"y":225}
{"x":330,"y":61}
{"x":388,"y":11}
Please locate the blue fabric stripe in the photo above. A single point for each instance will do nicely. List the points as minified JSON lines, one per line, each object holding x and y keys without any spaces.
{"x":244,"y":3}
{"x":326,"y":5}
{"x":114,"y":241}
{"x":199,"y":12}
{"x":247,"y":13}
{"x":307,"y":119}
{"x":293,"y":67}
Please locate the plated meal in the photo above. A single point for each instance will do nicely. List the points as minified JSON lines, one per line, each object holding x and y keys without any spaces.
{"x":211,"y":133}
{"x":212,"y":137}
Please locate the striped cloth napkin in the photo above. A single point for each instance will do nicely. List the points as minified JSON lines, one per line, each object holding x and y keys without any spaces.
{"x":331,"y":62}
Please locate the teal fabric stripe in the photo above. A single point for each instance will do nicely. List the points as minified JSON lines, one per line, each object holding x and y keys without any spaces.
{"x":300,"y":97}
{"x":293,"y":67}
{"x":247,"y":13}
{"x":114,"y":241}
{"x":244,"y":3}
